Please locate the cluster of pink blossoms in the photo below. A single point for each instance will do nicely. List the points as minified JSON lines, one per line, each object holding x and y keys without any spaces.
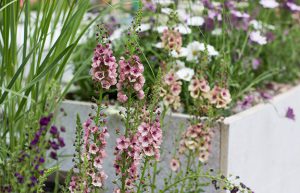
{"x":199,"y":88}
{"x":197,"y":138}
{"x":171,"y":90}
{"x":130,"y":76}
{"x":171,"y":40}
{"x":145,"y":142}
{"x":94,"y":152}
{"x":104,"y":66}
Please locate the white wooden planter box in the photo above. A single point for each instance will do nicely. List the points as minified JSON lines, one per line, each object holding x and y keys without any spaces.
{"x":260,"y":145}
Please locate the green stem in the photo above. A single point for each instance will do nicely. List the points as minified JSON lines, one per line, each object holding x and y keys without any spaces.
{"x":186,"y":171}
{"x":143,"y":175}
{"x":124,"y":154}
{"x":193,"y":177}
{"x":154,"y":177}
{"x":97,"y":118}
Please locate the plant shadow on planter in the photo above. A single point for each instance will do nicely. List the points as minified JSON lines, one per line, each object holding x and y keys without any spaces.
{"x":173,"y":126}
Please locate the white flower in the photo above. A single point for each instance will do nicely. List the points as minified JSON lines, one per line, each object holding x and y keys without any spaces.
{"x":158,"y":45}
{"x":293,"y":6}
{"x":166,"y":10}
{"x":183,"y":29}
{"x":258,"y":25}
{"x":193,"y":50}
{"x":183,"y":52}
{"x":185,"y":74}
{"x":145,"y":27}
{"x":217,"y":32}
{"x":216,"y":4}
{"x":182,"y":15}
{"x":258,"y":38}
{"x":195,"y":21}
{"x":240,"y":14}
{"x":160,"y":29}
{"x":163,"y":2}
{"x":269,"y":3}
{"x":241,"y":4}
{"x":211,"y":51}
{"x":179,"y":64}
{"x":117,"y":33}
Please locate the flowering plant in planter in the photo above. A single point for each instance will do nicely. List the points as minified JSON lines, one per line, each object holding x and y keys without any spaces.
{"x":137,"y":149}
{"x":231,"y":40}
{"x":213,"y":54}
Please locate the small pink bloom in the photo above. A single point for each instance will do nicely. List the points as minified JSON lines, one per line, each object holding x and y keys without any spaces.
{"x":122,"y":97}
{"x":94,"y":129}
{"x":174,"y":164}
{"x":93,"y":149}
{"x":98,"y":162}
{"x":122,"y":143}
{"x":144,"y":129}
{"x":149,"y":151}
{"x":140,"y":94}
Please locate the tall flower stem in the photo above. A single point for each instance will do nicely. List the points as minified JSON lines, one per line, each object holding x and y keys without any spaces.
{"x":154,"y":177}
{"x":162,"y":118}
{"x":143,"y":175}
{"x":186,"y":172}
{"x":124,"y":176}
{"x":97,"y":118}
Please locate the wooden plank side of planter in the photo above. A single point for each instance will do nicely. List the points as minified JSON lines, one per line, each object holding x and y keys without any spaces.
{"x":174,"y":124}
{"x":263,"y":146}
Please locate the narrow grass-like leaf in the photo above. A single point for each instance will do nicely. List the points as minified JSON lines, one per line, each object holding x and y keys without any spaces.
{"x":16,"y":75}
{"x":8,"y":4}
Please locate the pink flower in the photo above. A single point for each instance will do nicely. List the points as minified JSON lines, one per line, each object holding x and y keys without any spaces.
{"x":93,"y":152}
{"x":117,"y":190}
{"x":140,"y":94}
{"x":197,"y":138}
{"x":93,"y":149}
{"x":143,"y":129}
{"x":149,"y":151}
{"x":94,"y":129}
{"x":99,"y":179}
{"x":104,"y":66}
{"x":198,"y":88}
{"x":122,"y":143}
{"x":170,"y":78}
{"x":122,"y":97}
{"x":176,"y":88}
{"x":225,"y":95}
{"x":98,"y":162}
{"x":171,"y":90}
{"x":145,"y":140}
{"x":130,"y":77}
{"x":171,"y":40}
{"x":174,"y":164}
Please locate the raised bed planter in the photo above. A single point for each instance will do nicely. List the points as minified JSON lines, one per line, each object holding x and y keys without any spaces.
{"x":260,"y":144}
{"x":174,"y":125}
